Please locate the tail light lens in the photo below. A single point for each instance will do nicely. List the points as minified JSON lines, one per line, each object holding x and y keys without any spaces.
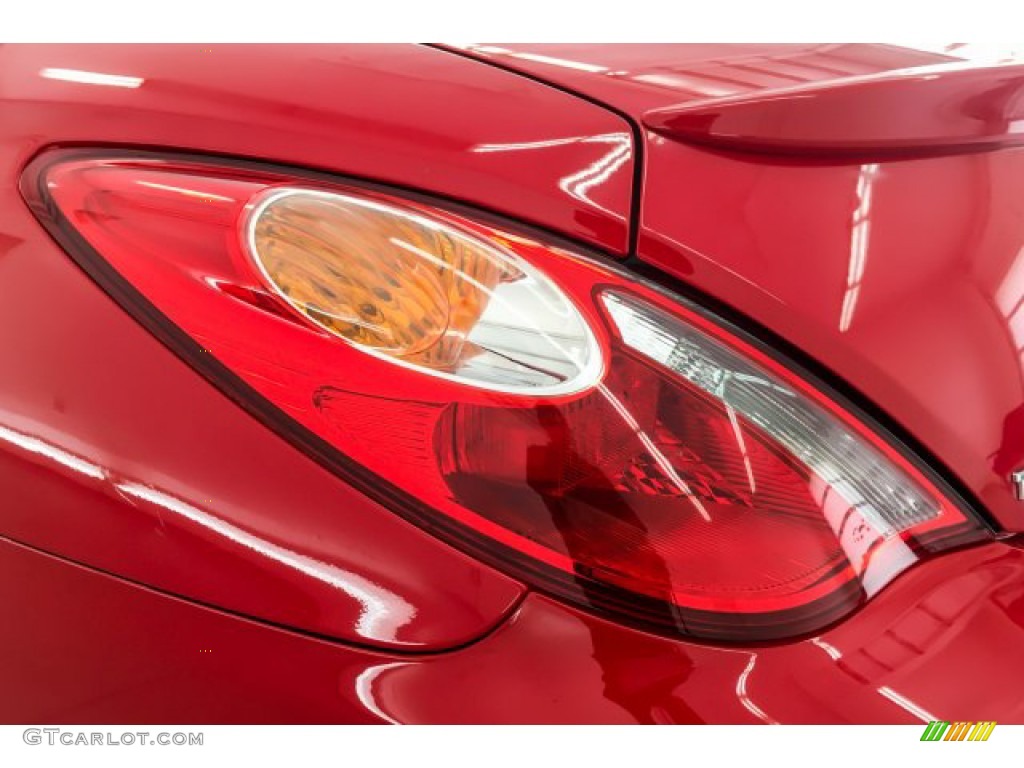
{"x":604,"y":441}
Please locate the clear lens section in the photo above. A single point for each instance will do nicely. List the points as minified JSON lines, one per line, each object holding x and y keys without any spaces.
{"x":422,"y":294}
{"x":883,"y":495}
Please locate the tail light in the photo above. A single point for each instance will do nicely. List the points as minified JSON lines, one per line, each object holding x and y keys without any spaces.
{"x":608,"y":443}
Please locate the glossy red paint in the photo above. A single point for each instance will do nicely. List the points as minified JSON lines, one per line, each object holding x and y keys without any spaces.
{"x":905,"y":278}
{"x":942,"y":643}
{"x":636,"y":78}
{"x":403,"y":114}
{"x":93,"y":401}
{"x":956,"y":108}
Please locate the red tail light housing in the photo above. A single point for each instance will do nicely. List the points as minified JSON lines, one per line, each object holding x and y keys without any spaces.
{"x":611,"y":444}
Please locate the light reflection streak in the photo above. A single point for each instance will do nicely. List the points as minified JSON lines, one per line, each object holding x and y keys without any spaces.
{"x":906,"y":704}
{"x":91,"y":78}
{"x":578,"y":184}
{"x":602,"y":138}
{"x":744,"y":697}
{"x":659,"y":457}
{"x":828,"y":648}
{"x":538,"y":58}
{"x":39,"y":447}
{"x":206,"y":196}
{"x":554,"y":61}
{"x":741,"y":443}
{"x":1010,"y":293}
{"x":581,"y":182}
{"x":859,"y":235}
{"x":364,"y":688}
{"x":383,"y":612}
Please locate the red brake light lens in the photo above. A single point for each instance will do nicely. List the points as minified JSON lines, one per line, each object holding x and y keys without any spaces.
{"x":606,"y":442}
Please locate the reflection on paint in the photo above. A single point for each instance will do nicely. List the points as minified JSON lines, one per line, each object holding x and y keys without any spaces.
{"x":364,"y":687}
{"x":554,"y":61}
{"x":653,"y":451}
{"x":744,"y":697}
{"x":383,"y":613}
{"x":578,"y":184}
{"x":907,"y":705}
{"x":859,"y":235}
{"x":47,"y":451}
{"x":828,"y":648}
{"x":91,"y":78}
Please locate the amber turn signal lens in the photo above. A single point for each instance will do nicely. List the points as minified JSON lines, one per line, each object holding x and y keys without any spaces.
{"x":399,"y":285}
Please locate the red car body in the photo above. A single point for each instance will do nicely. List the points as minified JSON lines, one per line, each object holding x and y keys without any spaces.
{"x":115,"y":611}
